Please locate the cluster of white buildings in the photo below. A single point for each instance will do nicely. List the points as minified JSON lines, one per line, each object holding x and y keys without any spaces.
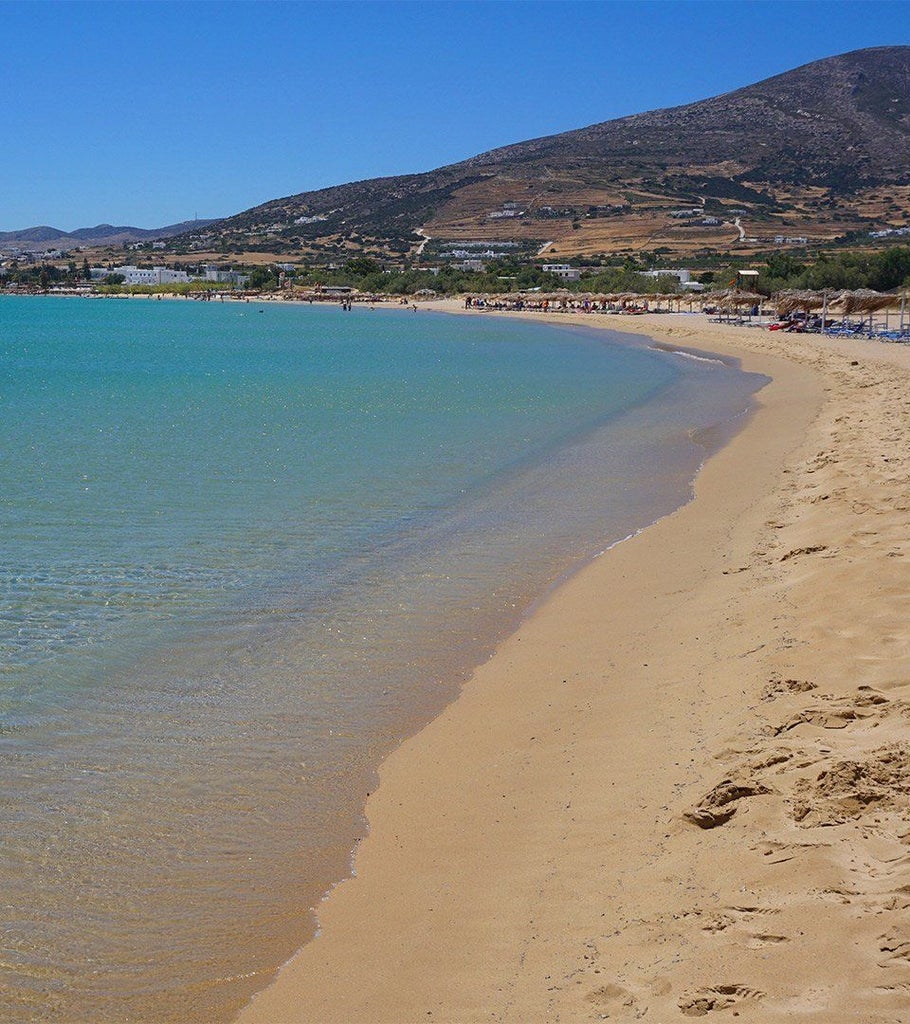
{"x":507,"y":211}
{"x":691,"y":215}
{"x":889,"y":232}
{"x":164,"y":275}
{"x":476,"y":250}
{"x":25,"y":255}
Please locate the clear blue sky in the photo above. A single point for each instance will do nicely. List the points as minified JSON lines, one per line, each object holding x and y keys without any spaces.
{"x":149,"y":113}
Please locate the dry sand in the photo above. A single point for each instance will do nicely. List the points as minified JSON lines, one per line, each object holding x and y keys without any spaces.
{"x":683,"y":786}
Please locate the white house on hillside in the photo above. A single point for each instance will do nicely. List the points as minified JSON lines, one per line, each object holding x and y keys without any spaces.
{"x":562,"y":270}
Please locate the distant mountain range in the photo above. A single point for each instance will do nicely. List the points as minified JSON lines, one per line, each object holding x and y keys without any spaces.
{"x":101,"y":234}
{"x":819,"y":152}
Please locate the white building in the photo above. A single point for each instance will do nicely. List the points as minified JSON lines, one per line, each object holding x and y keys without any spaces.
{"x":888,"y":232}
{"x":137,"y":275}
{"x":142,"y":275}
{"x":166,"y":276}
{"x":562,"y":270}
{"x":223,"y":275}
{"x":131,"y":275}
{"x":683,"y":276}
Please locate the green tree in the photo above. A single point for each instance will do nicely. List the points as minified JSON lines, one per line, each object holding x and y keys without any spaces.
{"x":263,"y":279}
{"x":360,"y":266}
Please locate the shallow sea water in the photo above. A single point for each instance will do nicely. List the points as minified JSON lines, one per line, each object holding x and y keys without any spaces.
{"x":242,"y":555}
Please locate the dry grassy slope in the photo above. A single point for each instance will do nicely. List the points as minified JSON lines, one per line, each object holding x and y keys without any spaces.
{"x":816,"y":152}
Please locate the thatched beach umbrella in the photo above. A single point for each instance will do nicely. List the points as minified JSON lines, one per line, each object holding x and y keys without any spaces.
{"x":799,"y":300}
{"x":658,"y":297}
{"x":733,"y":299}
{"x":743,"y":298}
{"x":713,"y":298}
{"x":864,"y":300}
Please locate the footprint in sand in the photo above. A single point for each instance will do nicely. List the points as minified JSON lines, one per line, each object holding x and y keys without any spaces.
{"x":901,"y":988}
{"x":896,"y":947}
{"x":747,"y":912}
{"x":782,"y":687}
{"x":849,"y":789}
{"x":840,"y":712}
{"x":780,"y":853}
{"x":719,"y":997}
{"x":812,"y":549}
{"x":615,"y":999}
{"x":720,"y":804}
{"x":760,"y":940}
{"x":715,"y":923}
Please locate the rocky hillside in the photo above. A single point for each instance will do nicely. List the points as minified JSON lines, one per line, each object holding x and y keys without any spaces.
{"x":811,"y":154}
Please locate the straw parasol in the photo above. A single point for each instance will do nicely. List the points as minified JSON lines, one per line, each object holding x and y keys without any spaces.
{"x":793,"y":300}
{"x":863,"y":300}
{"x":732,"y":298}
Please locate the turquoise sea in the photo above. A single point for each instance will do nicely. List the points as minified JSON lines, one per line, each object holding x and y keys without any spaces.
{"x":244,"y":551}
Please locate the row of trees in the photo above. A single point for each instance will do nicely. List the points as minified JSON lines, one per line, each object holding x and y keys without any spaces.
{"x":46,"y":275}
{"x":881,"y":271}
{"x":503,"y":275}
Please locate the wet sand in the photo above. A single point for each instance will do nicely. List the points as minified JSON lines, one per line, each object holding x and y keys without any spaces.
{"x":682,"y":786}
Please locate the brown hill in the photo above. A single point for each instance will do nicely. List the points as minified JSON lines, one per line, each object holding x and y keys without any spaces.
{"x":816,"y":152}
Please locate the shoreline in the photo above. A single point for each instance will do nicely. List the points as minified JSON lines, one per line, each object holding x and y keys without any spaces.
{"x":650,"y":816}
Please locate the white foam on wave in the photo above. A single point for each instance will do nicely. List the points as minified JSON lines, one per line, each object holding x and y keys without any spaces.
{"x":692,"y":355}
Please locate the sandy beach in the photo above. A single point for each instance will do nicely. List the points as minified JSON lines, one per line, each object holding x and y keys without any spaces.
{"x":682,"y":786}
